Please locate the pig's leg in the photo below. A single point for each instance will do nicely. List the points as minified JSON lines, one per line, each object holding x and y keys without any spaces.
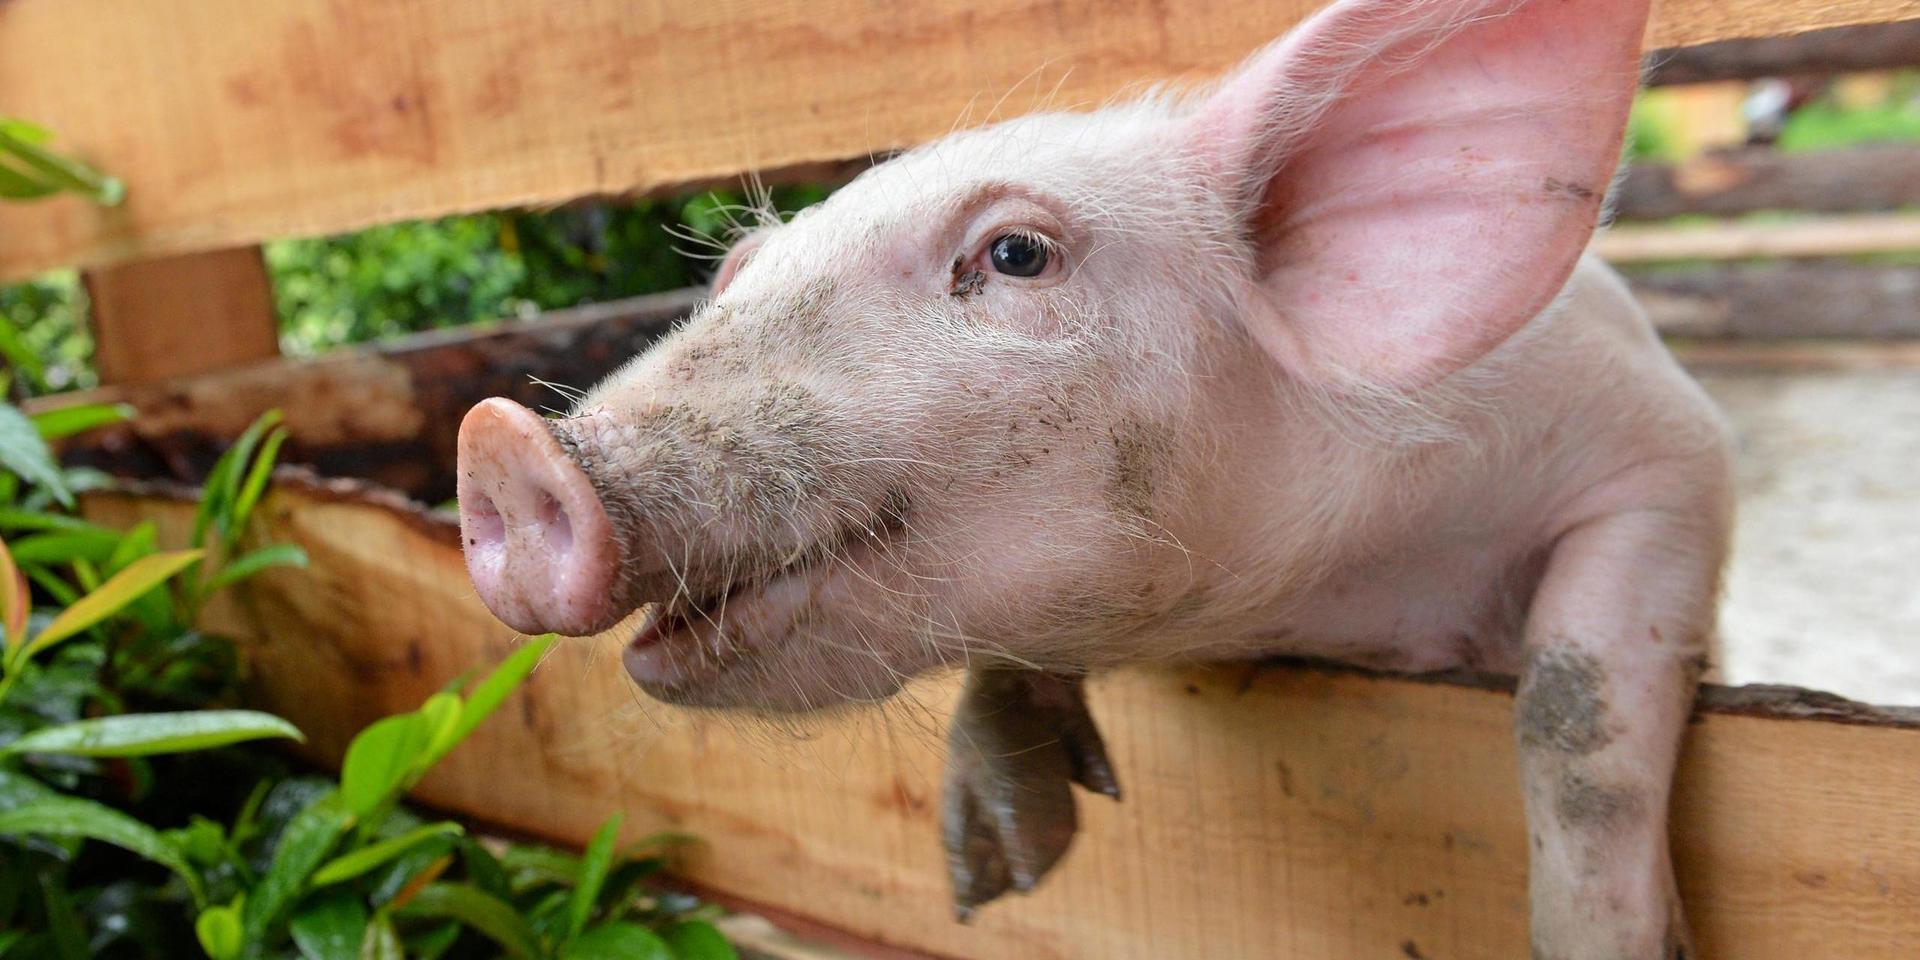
{"x":1615,"y":644}
{"x":1019,"y":740}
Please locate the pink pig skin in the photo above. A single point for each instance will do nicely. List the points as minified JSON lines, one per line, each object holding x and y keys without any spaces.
{"x":1309,"y":363}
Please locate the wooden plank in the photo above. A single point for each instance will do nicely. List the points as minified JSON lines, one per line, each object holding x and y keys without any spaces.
{"x":235,"y":121}
{"x":388,"y":413}
{"x":1835,"y":236}
{"x":1816,"y":53}
{"x":1271,"y":812}
{"x":1782,"y":301}
{"x":1868,"y":179}
{"x":181,"y":316}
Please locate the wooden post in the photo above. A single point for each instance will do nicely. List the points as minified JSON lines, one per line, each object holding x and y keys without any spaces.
{"x":182,"y":315}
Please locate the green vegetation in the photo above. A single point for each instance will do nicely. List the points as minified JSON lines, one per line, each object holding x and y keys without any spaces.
{"x":140,"y":819}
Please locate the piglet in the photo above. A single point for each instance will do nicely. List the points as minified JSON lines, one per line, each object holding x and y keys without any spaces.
{"x":1307,"y":363}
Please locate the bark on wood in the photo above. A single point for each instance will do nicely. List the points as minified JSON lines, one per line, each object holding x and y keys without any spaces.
{"x":1869,"y":179}
{"x":1782,"y":301}
{"x":1878,"y":46}
{"x":388,"y":414}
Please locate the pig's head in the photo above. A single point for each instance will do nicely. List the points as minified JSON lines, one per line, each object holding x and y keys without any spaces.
{"x":992,"y":397}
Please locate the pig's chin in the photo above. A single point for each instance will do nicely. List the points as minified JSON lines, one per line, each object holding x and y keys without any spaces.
{"x":750,"y":644}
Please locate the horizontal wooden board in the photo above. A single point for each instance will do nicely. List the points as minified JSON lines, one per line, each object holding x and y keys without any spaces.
{"x":1783,"y":301}
{"x":1836,"y":236}
{"x":1876,"y":178}
{"x":1816,"y":53}
{"x":1274,"y":812}
{"x":387,"y":412}
{"x":236,"y":121}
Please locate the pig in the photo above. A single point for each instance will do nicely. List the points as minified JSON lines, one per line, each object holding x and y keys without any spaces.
{"x":1311,"y":362}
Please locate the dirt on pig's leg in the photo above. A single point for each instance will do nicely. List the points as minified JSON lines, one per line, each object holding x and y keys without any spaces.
{"x":1615,"y":647}
{"x":1019,"y":741}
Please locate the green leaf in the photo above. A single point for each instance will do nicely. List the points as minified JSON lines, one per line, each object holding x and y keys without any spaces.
{"x":494,"y":690}
{"x":255,"y":483}
{"x":125,"y":587}
{"x":66,"y":421}
{"x":74,"y":817}
{"x":356,"y":862}
{"x":441,"y":716}
{"x":331,"y":927}
{"x":18,"y":789}
{"x":66,"y":546}
{"x":490,"y":915}
{"x":618,"y":941}
{"x":435,"y":941}
{"x":15,"y":602}
{"x":594,"y":863}
{"x":145,"y":734}
{"x":380,"y":759}
{"x":23,"y":452}
{"x":216,"y":496}
{"x":14,"y":518}
{"x":532,"y":865}
{"x":698,"y":940}
{"x":219,"y":931}
{"x":62,"y":172}
{"x":303,"y":844}
{"x":277,"y":555}
{"x":63,"y":921}
{"x":381,"y":942}
{"x":25,"y":130}
{"x":15,"y":185}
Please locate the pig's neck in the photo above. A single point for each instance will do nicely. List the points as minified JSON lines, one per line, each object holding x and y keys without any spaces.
{"x":1333,"y":537}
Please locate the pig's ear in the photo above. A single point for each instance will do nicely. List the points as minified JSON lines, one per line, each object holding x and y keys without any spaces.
{"x":737,"y":256}
{"x":1419,"y":177}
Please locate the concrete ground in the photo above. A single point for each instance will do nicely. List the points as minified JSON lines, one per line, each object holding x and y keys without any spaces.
{"x":1824,"y":586}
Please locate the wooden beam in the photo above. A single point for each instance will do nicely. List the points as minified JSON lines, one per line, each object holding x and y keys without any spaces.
{"x":388,"y":413}
{"x":1270,"y":812}
{"x":1870,"y":179}
{"x":1782,"y":301}
{"x":1836,"y":236}
{"x":181,"y":316}
{"x":1815,"y":53}
{"x":235,"y":121}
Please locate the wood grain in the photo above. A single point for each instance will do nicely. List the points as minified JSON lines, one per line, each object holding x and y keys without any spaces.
{"x":181,"y":316}
{"x":1271,"y":812}
{"x":1874,"y":178}
{"x":1835,"y":236}
{"x":235,"y":121}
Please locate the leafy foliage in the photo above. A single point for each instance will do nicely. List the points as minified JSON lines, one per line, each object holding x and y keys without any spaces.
{"x":238,"y":858}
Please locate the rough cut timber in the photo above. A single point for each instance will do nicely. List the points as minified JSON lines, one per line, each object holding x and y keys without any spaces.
{"x":1270,"y":812}
{"x":182,"y":315}
{"x":1817,"y":53}
{"x":235,"y":121}
{"x":389,"y":413}
{"x":1868,"y":179}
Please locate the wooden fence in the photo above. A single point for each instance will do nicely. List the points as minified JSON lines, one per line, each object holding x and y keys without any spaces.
{"x":1272,"y":810}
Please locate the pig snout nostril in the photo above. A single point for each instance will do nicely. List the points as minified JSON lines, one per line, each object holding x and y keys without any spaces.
{"x":555,"y":524}
{"x":484,"y":524}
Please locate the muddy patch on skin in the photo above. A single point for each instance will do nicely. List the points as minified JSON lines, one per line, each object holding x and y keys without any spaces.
{"x":1586,"y":804}
{"x":1562,"y":188}
{"x":1562,"y":703}
{"x":1139,"y":450}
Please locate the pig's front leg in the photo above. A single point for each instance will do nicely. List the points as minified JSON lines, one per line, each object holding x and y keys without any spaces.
{"x":1020,"y":739}
{"x":1616,"y":639}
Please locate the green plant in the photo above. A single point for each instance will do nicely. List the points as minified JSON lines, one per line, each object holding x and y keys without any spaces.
{"x":236,"y":857}
{"x":43,"y":337}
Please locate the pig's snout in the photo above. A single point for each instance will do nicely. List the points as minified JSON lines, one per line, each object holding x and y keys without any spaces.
{"x":539,"y":547}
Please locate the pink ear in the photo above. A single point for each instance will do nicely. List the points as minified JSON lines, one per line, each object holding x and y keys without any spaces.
{"x":1420,"y":176}
{"x":737,"y":256}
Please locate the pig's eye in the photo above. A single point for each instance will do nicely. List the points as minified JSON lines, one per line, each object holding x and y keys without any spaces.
{"x":1020,"y":255}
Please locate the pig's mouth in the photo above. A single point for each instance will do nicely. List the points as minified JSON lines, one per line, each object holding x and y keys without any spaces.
{"x":695,"y":637}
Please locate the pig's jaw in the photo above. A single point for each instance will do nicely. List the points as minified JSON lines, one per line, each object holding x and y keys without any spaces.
{"x":726,"y":648}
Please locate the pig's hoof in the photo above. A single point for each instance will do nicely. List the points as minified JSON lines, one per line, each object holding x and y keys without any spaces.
{"x":1019,"y":742}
